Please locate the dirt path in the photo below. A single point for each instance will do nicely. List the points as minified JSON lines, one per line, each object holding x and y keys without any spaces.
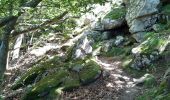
{"x":114,"y":84}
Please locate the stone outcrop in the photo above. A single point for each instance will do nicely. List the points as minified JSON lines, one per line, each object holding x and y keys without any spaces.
{"x":141,"y":15}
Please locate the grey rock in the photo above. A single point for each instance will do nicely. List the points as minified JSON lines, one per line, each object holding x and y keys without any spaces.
{"x":106,"y":35}
{"x":79,"y":54}
{"x":107,"y":24}
{"x":119,"y":40}
{"x":156,"y":27}
{"x":94,"y":35}
{"x":97,"y":26}
{"x":83,"y":48}
{"x":146,"y":61}
{"x":141,"y":15}
{"x":139,"y":37}
{"x":107,"y":45}
{"x":112,"y":24}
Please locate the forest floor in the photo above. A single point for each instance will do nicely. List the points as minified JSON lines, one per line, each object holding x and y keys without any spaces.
{"x":114,"y":83}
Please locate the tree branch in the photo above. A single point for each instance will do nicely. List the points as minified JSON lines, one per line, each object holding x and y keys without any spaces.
{"x":32,"y":3}
{"x":59,"y":19}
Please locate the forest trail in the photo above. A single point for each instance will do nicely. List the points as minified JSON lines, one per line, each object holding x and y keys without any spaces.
{"x":114,"y":84}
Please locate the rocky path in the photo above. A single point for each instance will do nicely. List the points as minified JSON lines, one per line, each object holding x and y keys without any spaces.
{"x":114,"y":84}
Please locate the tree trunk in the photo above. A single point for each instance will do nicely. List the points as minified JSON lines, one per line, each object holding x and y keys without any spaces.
{"x":5,"y":45}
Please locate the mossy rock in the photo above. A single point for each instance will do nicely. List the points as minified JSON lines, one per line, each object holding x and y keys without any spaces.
{"x":59,"y":76}
{"x":116,"y":13}
{"x":71,"y":82}
{"x":90,"y":72}
{"x":30,"y":76}
{"x":153,"y":42}
{"x":44,"y":86}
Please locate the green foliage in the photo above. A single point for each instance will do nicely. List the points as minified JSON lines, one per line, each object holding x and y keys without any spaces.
{"x":150,"y":81}
{"x":156,"y":93}
{"x":166,"y":9}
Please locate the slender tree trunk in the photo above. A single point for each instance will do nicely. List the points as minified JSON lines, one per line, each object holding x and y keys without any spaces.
{"x":5,"y":45}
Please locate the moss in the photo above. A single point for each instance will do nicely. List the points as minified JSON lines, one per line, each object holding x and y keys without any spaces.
{"x":27,"y":78}
{"x":150,"y":81}
{"x":90,"y":72}
{"x":116,"y":13}
{"x":38,"y":69}
{"x":46,"y":84}
{"x":71,"y":82}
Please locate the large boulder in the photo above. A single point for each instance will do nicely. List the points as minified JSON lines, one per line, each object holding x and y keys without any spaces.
{"x":141,"y":15}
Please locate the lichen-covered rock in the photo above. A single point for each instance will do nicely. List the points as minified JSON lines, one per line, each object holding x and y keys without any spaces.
{"x":141,"y":15}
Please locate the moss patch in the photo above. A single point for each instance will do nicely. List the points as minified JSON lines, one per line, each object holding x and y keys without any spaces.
{"x":116,"y":13}
{"x":46,"y":84}
{"x":90,"y":72}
